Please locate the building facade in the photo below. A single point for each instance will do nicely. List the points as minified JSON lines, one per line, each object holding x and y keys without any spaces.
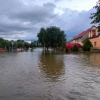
{"x":95,"y":39}
{"x":80,"y":38}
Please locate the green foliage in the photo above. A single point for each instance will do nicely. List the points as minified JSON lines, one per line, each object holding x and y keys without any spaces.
{"x":26,"y":45}
{"x":20,"y":43}
{"x":3,"y":43}
{"x":1,"y":39}
{"x":33,"y":44}
{"x":96,"y":16}
{"x":87,"y":45}
{"x":16,"y":44}
{"x":52,"y":37}
{"x":75,"y":49}
{"x":0,"y":45}
{"x":41,"y":36}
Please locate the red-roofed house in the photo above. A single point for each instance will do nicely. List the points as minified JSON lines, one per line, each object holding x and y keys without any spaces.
{"x":84,"y":35}
{"x":95,"y":39}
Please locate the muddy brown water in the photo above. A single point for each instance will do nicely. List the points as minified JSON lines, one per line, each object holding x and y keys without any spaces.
{"x":39,"y":75}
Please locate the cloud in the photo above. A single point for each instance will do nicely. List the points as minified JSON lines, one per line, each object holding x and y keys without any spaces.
{"x":80,"y":21}
{"x":57,"y":0}
{"x":73,"y":22}
{"x":37,"y":14}
{"x":22,"y":20}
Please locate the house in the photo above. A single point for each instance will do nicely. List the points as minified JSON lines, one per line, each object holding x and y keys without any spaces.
{"x":95,"y":39}
{"x":80,"y":38}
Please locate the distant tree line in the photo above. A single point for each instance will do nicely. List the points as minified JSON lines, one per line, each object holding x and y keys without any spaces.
{"x":52,"y":37}
{"x":16,"y":44}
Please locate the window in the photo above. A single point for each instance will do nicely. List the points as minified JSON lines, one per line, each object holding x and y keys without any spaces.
{"x":95,"y":43}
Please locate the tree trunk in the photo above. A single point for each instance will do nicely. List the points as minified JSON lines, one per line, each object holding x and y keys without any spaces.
{"x":47,"y":48}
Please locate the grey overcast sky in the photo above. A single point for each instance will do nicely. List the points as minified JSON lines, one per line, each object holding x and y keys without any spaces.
{"x":22,"y":19}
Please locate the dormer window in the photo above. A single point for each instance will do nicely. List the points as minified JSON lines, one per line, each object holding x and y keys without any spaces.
{"x":93,"y":29}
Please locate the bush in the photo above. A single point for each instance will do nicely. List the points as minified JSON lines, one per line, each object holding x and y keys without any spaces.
{"x":66,"y":50}
{"x":87,"y":45}
{"x":75,"y":49}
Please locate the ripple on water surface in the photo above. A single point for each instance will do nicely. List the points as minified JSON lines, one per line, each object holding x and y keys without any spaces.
{"x":39,"y":75}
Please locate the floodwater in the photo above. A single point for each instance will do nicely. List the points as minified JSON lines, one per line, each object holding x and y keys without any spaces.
{"x":42,"y":75}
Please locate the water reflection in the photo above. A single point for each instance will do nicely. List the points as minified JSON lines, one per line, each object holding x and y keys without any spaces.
{"x":51,"y":66}
{"x":95,"y":58}
{"x":55,"y":77}
{"x":91,"y":59}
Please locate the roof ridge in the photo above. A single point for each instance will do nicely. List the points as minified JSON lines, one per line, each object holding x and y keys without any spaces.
{"x":84,"y":32}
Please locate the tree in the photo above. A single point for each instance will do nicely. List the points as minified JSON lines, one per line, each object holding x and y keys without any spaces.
{"x":75,"y":48}
{"x":15,"y":44}
{"x":26,"y":45}
{"x":3,"y":43}
{"x":33,"y":44}
{"x":1,"y":39}
{"x":52,"y":37}
{"x":96,"y":15}
{"x":20,"y":43}
{"x":87,"y":45}
{"x":41,"y":36}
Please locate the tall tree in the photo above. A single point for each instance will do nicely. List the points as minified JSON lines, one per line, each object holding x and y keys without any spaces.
{"x":96,"y":16}
{"x":41,"y":36}
{"x":52,"y":37}
{"x":33,"y":44}
{"x":20,"y":43}
{"x":26,"y":45}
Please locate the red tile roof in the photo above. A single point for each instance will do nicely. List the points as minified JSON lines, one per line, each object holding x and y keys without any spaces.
{"x":71,"y":45}
{"x":83,"y":33}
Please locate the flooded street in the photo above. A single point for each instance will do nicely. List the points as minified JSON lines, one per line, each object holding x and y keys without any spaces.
{"x":39,"y":75}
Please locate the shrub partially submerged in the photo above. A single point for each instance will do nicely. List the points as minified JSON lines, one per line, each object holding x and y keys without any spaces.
{"x":75,"y":48}
{"x":87,"y":45}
